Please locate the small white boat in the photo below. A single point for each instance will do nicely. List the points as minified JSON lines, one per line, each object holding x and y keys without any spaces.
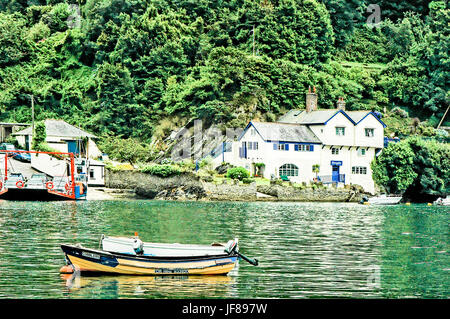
{"x":133,"y":245}
{"x":385,"y":200}
{"x":442,"y":201}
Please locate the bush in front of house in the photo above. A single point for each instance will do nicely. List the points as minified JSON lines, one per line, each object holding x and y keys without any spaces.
{"x":238,"y":173}
{"x":161,"y":170}
{"x":247,"y":180}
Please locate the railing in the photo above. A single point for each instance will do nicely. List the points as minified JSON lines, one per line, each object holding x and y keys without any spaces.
{"x":328,"y":179}
{"x":388,"y":140}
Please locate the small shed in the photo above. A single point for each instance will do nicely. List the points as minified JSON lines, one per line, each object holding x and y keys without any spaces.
{"x":6,"y":129}
{"x":96,"y":173}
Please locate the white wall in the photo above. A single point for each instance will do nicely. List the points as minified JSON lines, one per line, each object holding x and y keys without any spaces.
{"x":99,"y":175}
{"x":327,"y":133}
{"x":360,"y":135}
{"x":350,"y":157}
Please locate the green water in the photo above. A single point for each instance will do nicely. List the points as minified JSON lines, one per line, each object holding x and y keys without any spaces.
{"x":305,"y":249}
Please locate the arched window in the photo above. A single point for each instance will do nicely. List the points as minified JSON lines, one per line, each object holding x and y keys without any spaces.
{"x":288,"y":170}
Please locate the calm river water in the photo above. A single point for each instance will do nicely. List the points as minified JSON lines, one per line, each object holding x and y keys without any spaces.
{"x":305,"y":249}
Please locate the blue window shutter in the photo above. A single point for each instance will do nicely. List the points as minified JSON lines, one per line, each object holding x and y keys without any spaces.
{"x":296,"y":147}
{"x":311,"y":148}
{"x":286,"y":147}
{"x":275,"y":146}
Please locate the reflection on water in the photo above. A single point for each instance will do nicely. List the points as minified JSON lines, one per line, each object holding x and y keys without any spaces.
{"x":305,"y":249}
{"x":151,"y":286}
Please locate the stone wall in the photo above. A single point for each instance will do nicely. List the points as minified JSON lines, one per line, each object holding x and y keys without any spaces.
{"x":190,"y":187}
{"x":186,"y":186}
{"x":328,"y":194}
{"x":230,"y":192}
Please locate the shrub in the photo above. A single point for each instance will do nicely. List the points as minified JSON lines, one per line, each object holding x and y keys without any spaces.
{"x":238,"y":173}
{"x":125,"y":150}
{"x":39,"y":136}
{"x":417,"y":167}
{"x":186,"y":165}
{"x":164,"y":170}
{"x":248,"y":180}
{"x":121,"y":167}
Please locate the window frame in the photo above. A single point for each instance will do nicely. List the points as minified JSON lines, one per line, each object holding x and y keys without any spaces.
{"x":359,"y":170}
{"x":288,"y":168}
{"x":338,"y":129}
{"x":369,"y":129}
{"x":360,"y":151}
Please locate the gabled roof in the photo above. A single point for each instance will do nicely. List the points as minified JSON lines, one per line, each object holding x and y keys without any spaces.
{"x":59,"y":128}
{"x":323,"y":116}
{"x":303,"y":117}
{"x":274,"y":131}
{"x":358,"y":116}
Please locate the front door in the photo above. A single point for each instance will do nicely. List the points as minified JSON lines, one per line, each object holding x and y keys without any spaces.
{"x":72,"y":147}
{"x":335,"y":174}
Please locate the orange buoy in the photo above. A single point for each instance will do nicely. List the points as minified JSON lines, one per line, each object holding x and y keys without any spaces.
{"x":66,"y":269}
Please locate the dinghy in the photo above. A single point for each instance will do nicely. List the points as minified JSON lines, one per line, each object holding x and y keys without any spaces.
{"x":131,"y":245}
{"x":137,"y":263}
{"x":441,"y":201}
{"x":382,"y":200}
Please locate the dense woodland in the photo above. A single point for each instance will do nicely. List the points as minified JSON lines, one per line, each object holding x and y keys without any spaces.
{"x":141,"y":69}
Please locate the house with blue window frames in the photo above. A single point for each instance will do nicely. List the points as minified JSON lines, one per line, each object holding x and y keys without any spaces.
{"x":342,"y":143}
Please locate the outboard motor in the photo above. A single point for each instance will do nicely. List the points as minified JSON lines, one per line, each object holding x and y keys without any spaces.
{"x":138,"y":246}
{"x":364,"y":199}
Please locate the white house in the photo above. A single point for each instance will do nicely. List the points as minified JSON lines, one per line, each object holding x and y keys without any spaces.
{"x":67,"y":138}
{"x":63,"y":137}
{"x":343,"y":144}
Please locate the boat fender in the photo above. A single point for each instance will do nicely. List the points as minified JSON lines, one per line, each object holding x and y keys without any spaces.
{"x":79,"y":184}
{"x":1,"y":185}
{"x":138,"y":246}
{"x":66,"y":269}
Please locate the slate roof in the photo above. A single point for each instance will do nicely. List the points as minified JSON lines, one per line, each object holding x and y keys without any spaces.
{"x":274,"y":131}
{"x":357,"y":116}
{"x":303,"y":117}
{"x":59,"y":128}
{"x":321,"y":116}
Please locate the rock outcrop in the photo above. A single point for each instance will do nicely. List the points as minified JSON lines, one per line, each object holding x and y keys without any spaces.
{"x":191,"y":187}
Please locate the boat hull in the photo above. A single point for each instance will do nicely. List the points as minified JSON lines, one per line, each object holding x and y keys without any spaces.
{"x":385,"y":200}
{"x":91,"y":260}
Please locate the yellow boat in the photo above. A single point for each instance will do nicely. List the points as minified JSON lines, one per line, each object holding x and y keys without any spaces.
{"x":94,"y":260}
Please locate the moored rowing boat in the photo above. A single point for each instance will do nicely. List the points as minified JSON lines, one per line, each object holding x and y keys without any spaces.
{"x":93,"y":260}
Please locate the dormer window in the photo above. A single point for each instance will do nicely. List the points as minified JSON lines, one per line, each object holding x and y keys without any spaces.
{"x":369,"y":132}
{"x":340,"y":131}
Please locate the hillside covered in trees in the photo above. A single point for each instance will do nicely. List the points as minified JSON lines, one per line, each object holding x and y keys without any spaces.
{"x":143,"y":68}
